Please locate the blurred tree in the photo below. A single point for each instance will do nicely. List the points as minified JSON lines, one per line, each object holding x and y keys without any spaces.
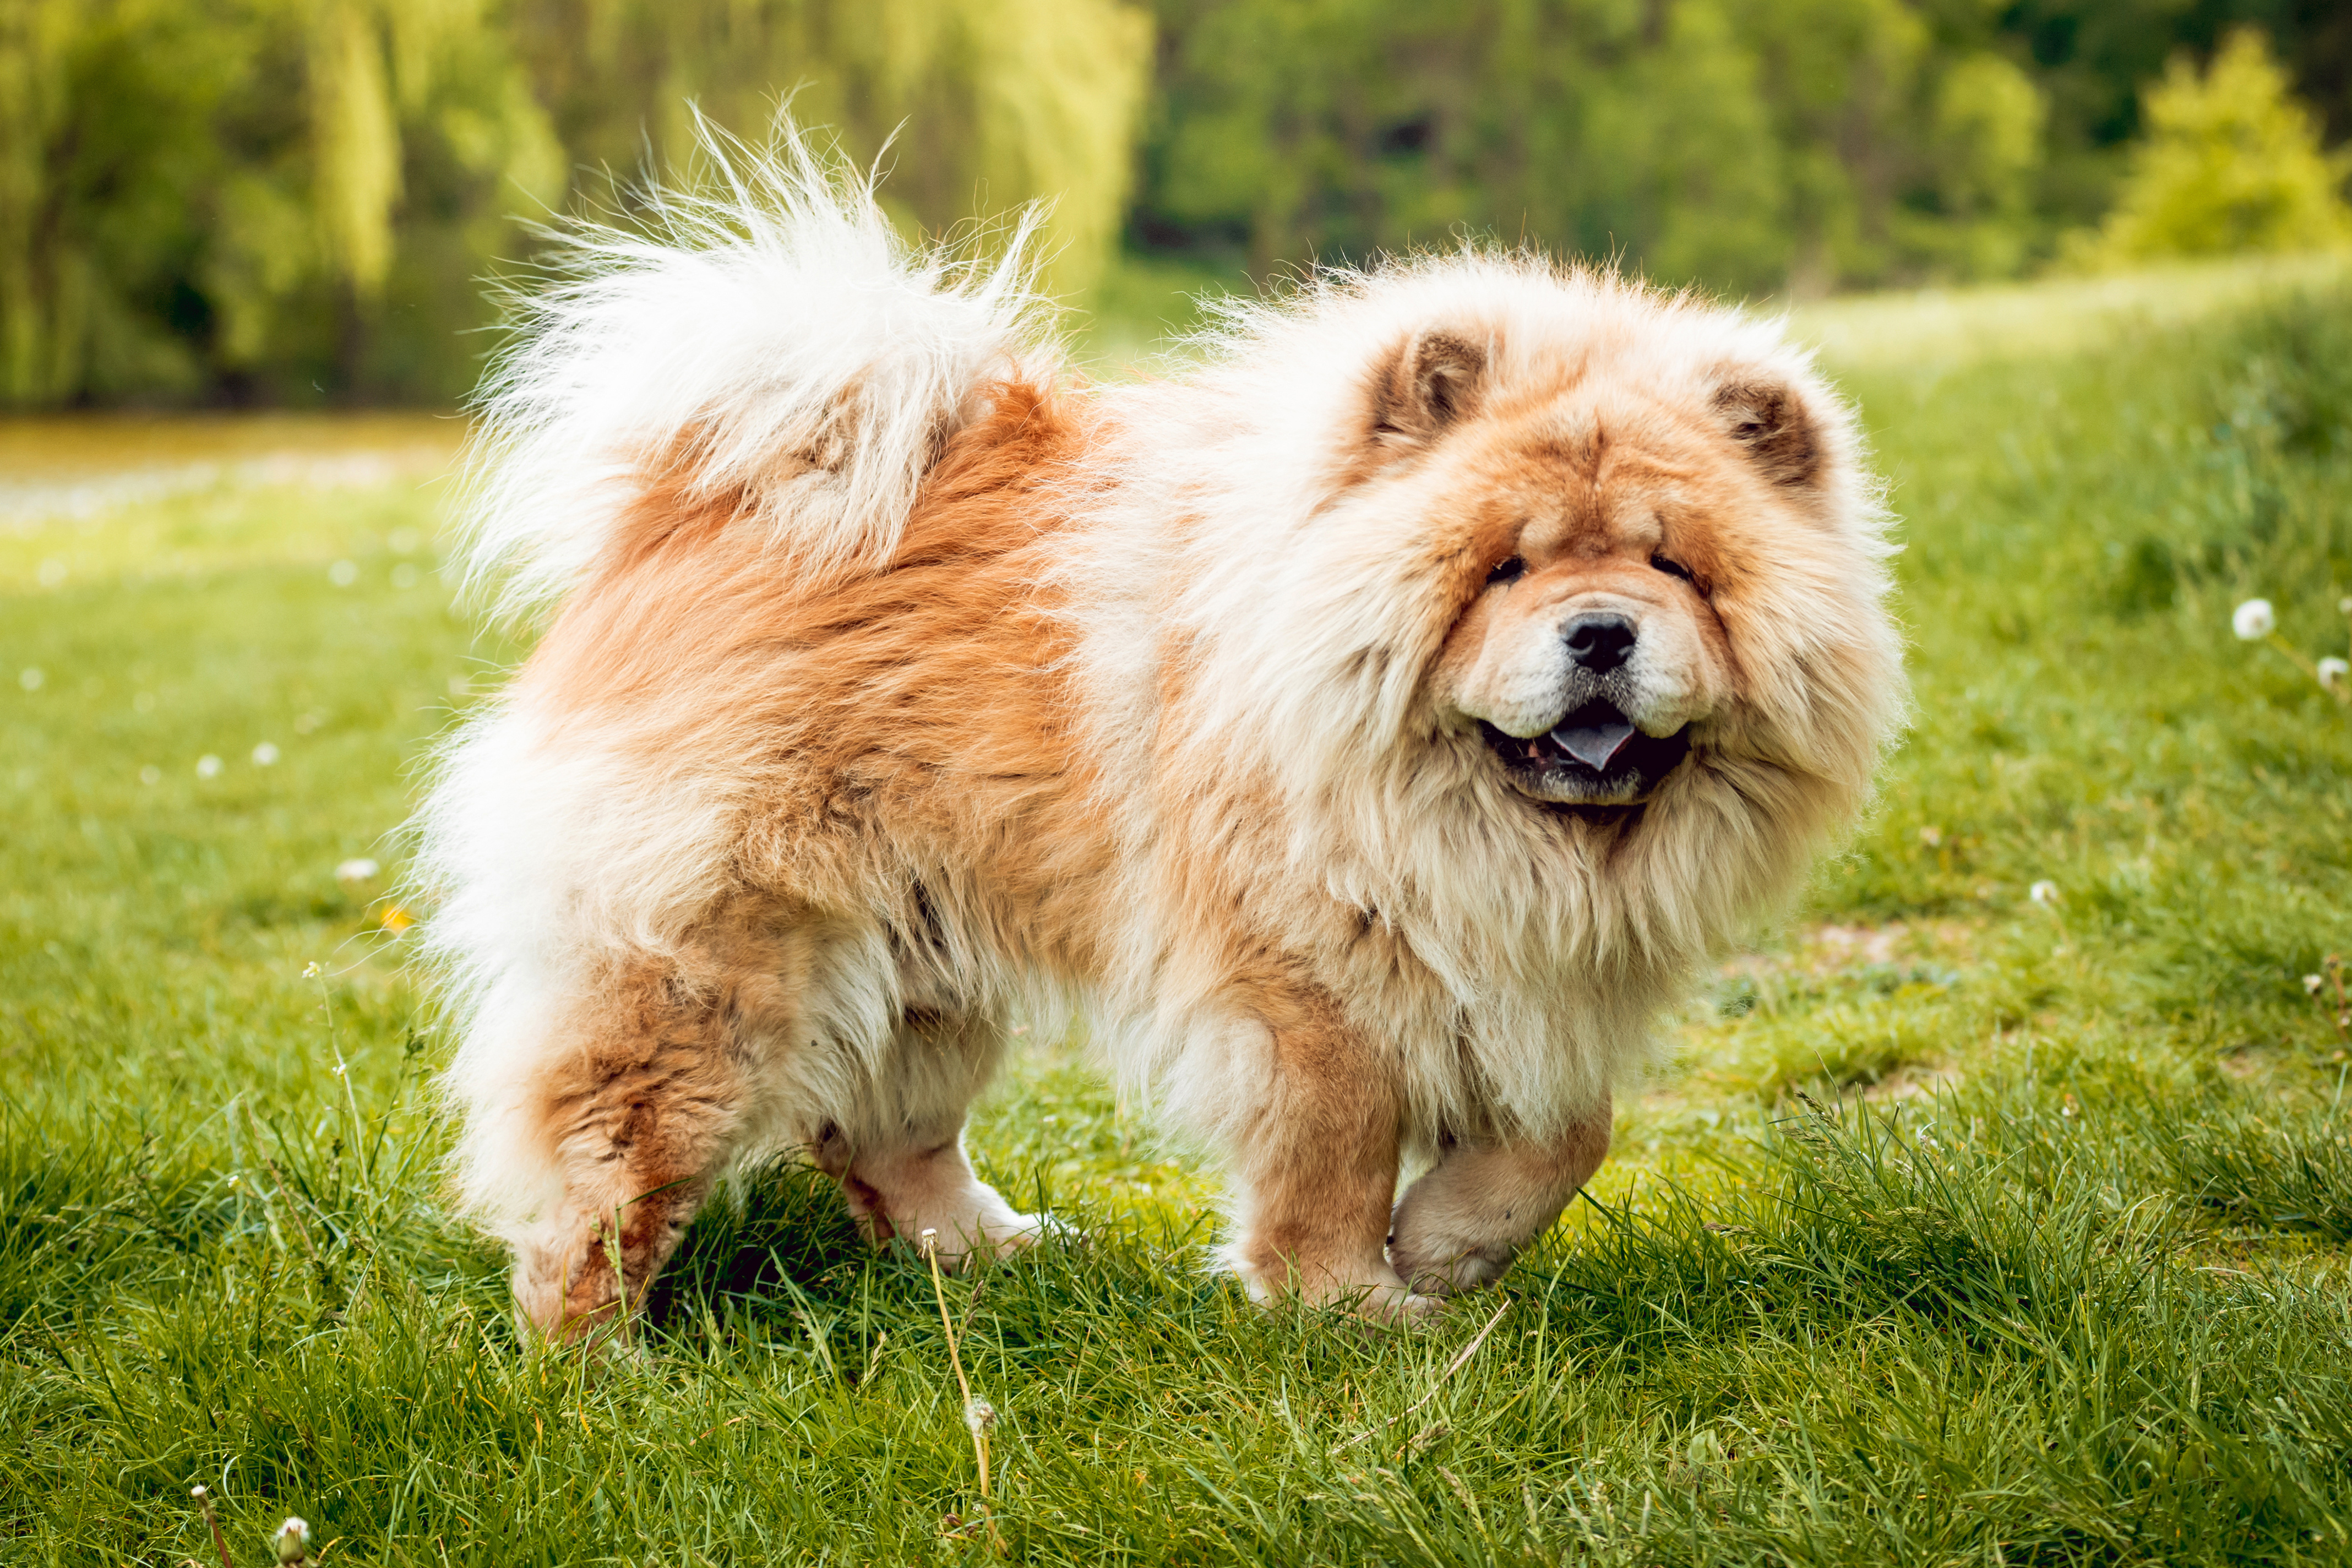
{"x":2094,"y":57}
{"x":2230,"y":164}
{"x":982,"y":104}
{"x":286,"y":200}
{"x":1826,"y":142}
{"x":229,"y":198}
{"x":289,"y":200}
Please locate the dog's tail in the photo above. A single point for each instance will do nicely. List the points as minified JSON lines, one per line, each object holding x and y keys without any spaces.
{"x":777,"y":350}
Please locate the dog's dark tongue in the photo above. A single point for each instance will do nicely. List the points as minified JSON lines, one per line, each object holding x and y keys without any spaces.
{"x":1593,"y":735}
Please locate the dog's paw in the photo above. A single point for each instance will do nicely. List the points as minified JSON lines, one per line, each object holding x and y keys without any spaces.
{"x":972,"y":1240}
{"x":1444,"y":1266}
{"x":1371,"y":1295}
{"x":1397,"y":1307}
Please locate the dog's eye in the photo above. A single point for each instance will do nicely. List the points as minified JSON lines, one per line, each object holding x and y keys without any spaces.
{"x":1509,"y":570}
{"x":1671,"y":568}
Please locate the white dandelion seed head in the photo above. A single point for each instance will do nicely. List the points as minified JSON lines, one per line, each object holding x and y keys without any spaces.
{"x":357,"y":870}
{"x":2253,"y":620}
{"x":979,"y":1416}
{"x":208,"y":766}
{"x":2044,"y":893}
{"x":293,"y":1540}
{"x":2334,"y":672}
{"x":265,"y":755}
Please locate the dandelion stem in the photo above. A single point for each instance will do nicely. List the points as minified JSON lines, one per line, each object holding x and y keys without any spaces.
{"x":939,"y":1294}
{"x":220,"y":1542}
{"x":978,"y":1416}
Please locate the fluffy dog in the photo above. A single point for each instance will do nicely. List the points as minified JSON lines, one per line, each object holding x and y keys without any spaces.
{"x":1367,"y":731}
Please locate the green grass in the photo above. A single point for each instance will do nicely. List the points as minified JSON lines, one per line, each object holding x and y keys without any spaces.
{"x":1964,"y":1228}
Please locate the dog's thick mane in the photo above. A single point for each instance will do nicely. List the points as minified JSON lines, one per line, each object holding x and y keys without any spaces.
{"x":1234,"y":549}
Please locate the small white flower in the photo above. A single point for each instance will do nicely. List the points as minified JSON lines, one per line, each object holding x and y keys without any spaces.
{"x":2044,"y":893}
{"x":2333,"y":671}
{"x":265,"y":755}
{"x":2253,"y":620}
{"x":30,"y":678}
{"x":361,"y":870}
{"x":2312,"y":983}
{"x":343,"y":574}
{"x":208,"y":766}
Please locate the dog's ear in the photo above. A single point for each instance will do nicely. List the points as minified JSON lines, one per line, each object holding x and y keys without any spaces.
{"x":1431,"y":383}
{"x":1771,"y":423}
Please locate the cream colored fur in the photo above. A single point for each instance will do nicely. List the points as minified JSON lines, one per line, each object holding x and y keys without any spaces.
{"x":1243,"y":822}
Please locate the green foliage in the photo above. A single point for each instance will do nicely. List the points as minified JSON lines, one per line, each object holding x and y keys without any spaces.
{"x":298,"y":201}
{"x":2231,"y":165}
{"x":287,"y":200}
{"x":983,"y":104}
{"x":243,"y":198}
{"x":1736,"y":144}
{"x":2085,"y":1301}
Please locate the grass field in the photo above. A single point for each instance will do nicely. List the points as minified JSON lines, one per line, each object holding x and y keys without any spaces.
{"x":1968,"y":1227}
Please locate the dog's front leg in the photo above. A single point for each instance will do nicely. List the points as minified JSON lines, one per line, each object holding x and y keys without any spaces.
{"x":1317,"y":1166}
{"x":1463,"y":1222}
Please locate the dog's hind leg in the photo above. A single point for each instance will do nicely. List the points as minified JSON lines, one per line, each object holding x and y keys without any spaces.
{"x":1460,"y":1225}
{"x":626,"y":1118}
{"x":899,"y":1155}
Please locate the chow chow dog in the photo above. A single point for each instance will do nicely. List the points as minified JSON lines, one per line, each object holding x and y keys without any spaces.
{"x":1363,"y":731}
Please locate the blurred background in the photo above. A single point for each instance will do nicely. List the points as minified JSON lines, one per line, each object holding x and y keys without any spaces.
{"x":295,"y":203}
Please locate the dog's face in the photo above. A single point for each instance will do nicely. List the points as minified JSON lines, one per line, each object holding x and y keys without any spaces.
{"x":1625,"y":542}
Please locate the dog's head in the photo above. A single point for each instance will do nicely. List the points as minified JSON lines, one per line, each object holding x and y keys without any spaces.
{"x":1646,"y":532}
{"x":1538,"y":593}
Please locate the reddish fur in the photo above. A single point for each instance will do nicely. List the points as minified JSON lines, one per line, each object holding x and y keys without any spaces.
{"x":906,"y":745}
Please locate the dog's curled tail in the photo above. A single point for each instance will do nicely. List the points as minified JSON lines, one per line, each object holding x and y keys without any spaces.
{"x":775,"y":349}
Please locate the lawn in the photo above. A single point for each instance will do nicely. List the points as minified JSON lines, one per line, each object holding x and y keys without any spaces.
{"x":1993,"y":1209}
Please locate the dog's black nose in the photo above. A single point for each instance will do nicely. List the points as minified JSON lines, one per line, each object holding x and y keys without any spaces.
{"x":1601,"y":640}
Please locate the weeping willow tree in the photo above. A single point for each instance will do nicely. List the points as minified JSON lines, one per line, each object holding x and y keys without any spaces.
{"x":972,"y":106}
{"x":289,"y":200}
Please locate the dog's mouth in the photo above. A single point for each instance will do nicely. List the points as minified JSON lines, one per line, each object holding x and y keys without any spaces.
{"x":1594,"y":754}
